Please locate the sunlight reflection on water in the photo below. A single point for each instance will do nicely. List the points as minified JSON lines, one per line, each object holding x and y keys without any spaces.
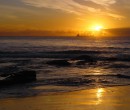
{"x":98,"y":71}
{"x":99,"y":95}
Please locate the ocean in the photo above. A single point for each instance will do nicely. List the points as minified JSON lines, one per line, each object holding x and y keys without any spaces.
{"x":64,"y":64}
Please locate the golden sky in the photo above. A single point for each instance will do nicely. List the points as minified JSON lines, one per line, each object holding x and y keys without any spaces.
{"x":66,"y":15}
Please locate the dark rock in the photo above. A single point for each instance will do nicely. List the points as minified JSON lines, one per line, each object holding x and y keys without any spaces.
{"x":119,"y":66}
{"x":59,"y":63}
{"x":87,"y":58}
{"x":81,"y":63}
{"x":17,"y":78}
{"x":4,"y":75}
{"x":123,"y":76}
{"x":120,"y":57}
{"x":112,"y":59}
{"x":9,"y":70}
{"x":123,"y":57}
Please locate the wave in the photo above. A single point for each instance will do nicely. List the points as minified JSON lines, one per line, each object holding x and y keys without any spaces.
{"x":98,"y":55}
{"x":87,"y":80}
{"x":55,"y":85}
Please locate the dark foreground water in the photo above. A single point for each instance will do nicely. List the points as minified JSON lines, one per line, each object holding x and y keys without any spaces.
{"x":64,"y":64}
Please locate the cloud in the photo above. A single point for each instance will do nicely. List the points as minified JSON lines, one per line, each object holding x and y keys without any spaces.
{"x":76,"y":6}
{"x":103,"y":2}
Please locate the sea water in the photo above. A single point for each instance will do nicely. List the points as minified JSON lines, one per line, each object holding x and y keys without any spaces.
{"x":111,"y":65}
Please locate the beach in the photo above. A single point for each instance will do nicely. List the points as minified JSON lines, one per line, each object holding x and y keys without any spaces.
{"x":43,"y":74}
{"x":110,"y":98}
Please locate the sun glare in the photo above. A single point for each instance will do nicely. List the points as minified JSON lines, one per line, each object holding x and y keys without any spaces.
{"x":97,"y":28}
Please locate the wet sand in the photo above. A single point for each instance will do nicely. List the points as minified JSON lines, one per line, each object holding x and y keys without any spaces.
{"x":111,"y":98}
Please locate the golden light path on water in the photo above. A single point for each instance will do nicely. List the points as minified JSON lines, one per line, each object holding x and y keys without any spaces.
{"x":99,"y":95}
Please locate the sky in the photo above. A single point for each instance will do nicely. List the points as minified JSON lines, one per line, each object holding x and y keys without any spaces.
{"x":63,"y":15}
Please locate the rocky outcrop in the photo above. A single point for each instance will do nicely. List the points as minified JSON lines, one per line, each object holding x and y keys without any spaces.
{"x":18,"y":78}
{"x":87,"y":58}
{"x":60,"y":63}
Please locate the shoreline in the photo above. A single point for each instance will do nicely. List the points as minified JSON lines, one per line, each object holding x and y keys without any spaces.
{"x":110,"y":98}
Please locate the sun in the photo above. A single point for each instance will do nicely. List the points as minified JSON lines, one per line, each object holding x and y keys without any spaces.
{"x":97,"y":28}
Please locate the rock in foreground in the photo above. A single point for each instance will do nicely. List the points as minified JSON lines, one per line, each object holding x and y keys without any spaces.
{"x":18,"y":78}
{"x":60,"y":63}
